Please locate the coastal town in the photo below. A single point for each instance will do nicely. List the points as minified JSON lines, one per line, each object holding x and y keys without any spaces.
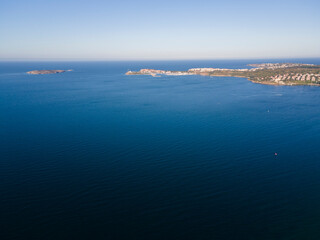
{"x":308,"y":77}
{"x":278,"y":65}
{"x":265,"y":73}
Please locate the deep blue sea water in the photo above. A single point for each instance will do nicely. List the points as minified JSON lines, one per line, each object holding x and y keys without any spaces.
{"x":96,"y":154}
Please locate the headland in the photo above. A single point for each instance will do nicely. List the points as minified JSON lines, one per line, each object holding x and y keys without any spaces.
{"x":265,"y":73}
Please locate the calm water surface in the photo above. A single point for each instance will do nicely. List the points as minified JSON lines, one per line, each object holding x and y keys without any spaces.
{"x":96,"y":154}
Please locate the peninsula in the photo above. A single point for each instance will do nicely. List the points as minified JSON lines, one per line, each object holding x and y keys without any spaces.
{"x":265,"y":73}
{"x":47,"y":71}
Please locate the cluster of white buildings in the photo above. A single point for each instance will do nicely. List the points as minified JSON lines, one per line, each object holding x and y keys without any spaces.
{"x":154,"y":72}
{"x":278,"y":65}
{"x":149,"y":71}
{"x":215,"y":69}
{"x":297,"y":77}
{"x":189,"y":72}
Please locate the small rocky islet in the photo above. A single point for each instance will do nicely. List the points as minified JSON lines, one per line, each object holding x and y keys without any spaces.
{"x":37,"y":72}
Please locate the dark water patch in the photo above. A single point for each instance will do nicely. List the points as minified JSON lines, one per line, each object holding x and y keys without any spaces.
{"x":96,"y":154}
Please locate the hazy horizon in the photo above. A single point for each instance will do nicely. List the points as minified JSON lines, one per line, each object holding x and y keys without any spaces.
{"x":154,"y":60}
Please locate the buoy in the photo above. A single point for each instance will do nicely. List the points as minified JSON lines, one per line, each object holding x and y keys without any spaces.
{"x":276,"y":154}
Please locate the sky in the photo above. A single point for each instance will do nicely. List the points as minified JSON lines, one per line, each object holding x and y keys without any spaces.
{"x":152,"y":30}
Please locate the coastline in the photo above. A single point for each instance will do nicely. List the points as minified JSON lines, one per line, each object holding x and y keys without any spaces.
{"x":277,"y":74}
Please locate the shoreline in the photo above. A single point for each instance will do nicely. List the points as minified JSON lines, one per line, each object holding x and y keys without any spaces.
{"x":277,"y":74}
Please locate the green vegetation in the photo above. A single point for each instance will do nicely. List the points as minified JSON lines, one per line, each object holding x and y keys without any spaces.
{"x":273,"y":74}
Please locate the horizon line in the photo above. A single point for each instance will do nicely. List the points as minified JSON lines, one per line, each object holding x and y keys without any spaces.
{"x":143,"y":59}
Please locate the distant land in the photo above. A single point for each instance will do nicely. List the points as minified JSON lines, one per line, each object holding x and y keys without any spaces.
{"x":265,"y":73}
{"x":47,"y":71}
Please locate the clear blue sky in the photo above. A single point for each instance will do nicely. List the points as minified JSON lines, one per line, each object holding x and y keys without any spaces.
{"x":167,"y":29}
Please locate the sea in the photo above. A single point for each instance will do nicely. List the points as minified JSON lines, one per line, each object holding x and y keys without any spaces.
{"x":95,"y":154}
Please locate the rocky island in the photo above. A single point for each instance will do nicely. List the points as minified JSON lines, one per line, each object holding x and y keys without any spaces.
{"x":265,"y":73}
{"x":47,"y":71}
